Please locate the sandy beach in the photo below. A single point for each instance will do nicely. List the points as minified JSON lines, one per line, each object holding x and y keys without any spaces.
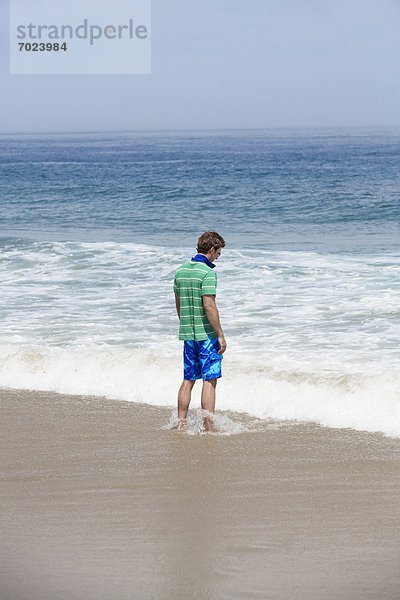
{"x":99,"y":500}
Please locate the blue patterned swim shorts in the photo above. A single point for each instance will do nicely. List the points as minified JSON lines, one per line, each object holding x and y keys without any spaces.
{"x":201,"y":359}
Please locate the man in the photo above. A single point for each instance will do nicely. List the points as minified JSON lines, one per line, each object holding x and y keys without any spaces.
{"x":195,"y":287}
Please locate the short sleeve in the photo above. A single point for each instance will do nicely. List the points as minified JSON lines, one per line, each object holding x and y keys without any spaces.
{"x":209,"y":284}
{"x":176,"y":289}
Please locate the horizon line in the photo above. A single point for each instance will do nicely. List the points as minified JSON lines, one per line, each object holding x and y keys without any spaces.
{"x":193,"y":129}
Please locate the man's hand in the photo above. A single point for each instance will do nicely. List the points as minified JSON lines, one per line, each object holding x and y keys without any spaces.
{"x":222,"y":344}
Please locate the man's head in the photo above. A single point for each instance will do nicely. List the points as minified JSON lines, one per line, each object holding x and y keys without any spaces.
{"x":210,"y":243}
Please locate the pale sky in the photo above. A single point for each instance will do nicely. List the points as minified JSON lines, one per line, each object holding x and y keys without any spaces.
{"x":220,"y":64}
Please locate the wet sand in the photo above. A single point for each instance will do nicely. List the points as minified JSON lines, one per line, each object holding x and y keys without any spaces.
{"x":100,"y":502}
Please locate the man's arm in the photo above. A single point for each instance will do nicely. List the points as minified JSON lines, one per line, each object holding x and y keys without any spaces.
{"x":178,"y":305}
{"x":211,"y":310}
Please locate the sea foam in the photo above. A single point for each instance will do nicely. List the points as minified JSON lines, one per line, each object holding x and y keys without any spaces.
{"x":369,"y":402}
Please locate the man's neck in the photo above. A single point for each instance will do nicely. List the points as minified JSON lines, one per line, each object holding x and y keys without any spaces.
{"x":203,"y":258}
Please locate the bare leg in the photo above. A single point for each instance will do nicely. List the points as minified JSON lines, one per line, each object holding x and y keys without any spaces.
{"x":184,"y":396}
{"x":208,"y":403}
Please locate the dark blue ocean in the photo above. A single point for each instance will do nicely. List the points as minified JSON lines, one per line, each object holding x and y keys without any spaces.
{"x":92,"y":228}
{"x":318,"y":190}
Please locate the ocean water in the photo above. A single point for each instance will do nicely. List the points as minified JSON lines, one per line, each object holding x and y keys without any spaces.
{"x":92,"y":228}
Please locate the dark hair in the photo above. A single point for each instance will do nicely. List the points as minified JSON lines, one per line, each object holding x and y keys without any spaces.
{"x":208,"y":240}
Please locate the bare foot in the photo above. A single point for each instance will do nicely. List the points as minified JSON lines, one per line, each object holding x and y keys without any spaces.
{"x":209,"y":425}
{"x":182,"y":425}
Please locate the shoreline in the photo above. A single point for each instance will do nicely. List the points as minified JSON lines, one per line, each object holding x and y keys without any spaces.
{"x":99,"y":500}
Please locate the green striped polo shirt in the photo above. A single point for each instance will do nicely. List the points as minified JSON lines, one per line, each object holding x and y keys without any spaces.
{"x":192,"y":281}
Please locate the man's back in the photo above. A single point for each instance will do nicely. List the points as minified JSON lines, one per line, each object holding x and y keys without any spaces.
{"x":192,"y":281}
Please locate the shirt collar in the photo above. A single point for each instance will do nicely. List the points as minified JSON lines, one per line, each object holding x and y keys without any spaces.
{"x":204,"y":259}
